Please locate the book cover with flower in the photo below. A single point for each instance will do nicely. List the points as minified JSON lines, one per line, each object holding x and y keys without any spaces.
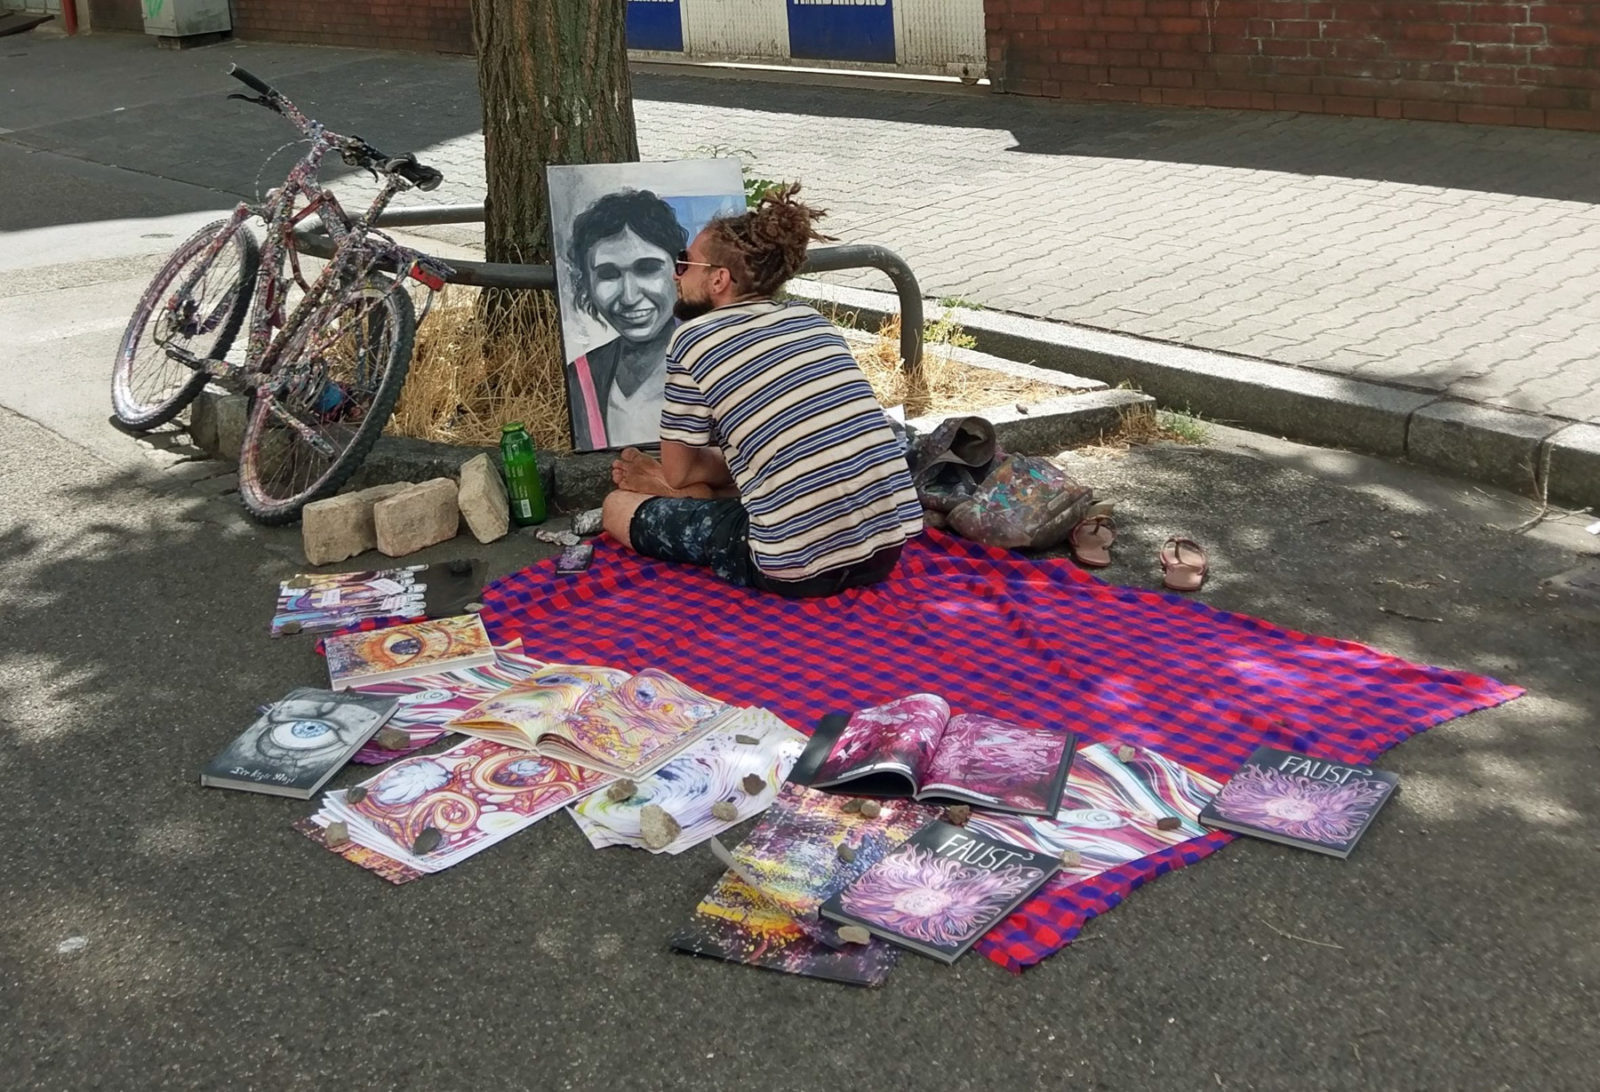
{"x":1300,"y":800}
{"x":941,"y":890}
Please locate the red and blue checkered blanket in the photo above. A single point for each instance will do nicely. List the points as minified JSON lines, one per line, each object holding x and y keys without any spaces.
{"x":1036,"y":641}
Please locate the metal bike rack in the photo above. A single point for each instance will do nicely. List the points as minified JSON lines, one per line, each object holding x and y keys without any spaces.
{"x":542,"y":278}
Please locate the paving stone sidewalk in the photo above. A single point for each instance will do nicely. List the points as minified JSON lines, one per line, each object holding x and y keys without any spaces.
{"x":1455,"y":259}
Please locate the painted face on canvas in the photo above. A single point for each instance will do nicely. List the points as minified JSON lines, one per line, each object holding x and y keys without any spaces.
{"x":631,"y":284}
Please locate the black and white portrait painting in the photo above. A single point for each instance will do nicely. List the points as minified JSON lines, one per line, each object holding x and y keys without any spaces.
{"x":618,"y":229}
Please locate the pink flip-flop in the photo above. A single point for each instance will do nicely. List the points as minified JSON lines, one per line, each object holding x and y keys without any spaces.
{"x":1091,"y":541}
{"x":1183,"y":565}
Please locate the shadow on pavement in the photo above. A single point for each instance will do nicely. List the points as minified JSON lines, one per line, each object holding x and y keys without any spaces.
{"x":221,"y":948}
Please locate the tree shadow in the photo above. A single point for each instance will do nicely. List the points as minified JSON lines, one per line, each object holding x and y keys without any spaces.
{"x":1491,"y":159}
{"x":219,"y":944}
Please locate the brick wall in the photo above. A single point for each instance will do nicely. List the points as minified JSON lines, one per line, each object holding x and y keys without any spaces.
{"x":1496,"y":63}
{"x":443,"y":26}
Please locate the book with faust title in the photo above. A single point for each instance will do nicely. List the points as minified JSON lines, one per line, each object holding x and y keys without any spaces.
{"x":1301,"y":801}
{"x":941,"y":890}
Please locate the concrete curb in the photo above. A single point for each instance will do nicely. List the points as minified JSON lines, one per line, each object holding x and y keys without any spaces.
{"x":1527,"y":453}
{"x":577,"y":481}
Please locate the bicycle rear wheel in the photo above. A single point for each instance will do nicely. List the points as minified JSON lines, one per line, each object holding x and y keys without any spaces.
{"x":191,"y":312}
{"x":326,"y":401}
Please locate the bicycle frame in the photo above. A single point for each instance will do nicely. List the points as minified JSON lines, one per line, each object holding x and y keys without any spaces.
{"x":270,"y":330}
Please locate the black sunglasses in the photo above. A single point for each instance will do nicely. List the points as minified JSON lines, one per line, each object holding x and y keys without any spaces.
{"x":681,"y":264}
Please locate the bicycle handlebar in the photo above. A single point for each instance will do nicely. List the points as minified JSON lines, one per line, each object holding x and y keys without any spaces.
{"x":354,"y":150}
{"x":253,"y":83}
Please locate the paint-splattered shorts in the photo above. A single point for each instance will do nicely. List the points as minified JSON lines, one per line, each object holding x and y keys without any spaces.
{"x":715,"y":534}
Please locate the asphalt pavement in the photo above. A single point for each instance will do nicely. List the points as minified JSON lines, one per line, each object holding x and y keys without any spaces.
{"x":158,"y":935}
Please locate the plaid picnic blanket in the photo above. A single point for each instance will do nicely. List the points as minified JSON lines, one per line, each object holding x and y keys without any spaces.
{"x":1035,"y":641}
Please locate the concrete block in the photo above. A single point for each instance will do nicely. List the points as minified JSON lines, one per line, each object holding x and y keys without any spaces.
{"x":1286,"y":401}
{"x":482,"y":499}
{"x":402,"y":459}
{"x":1574,"y":466}
{"x":216,"y":423}
{"x":341,"y":527}
{"x":1047,"y":427}
{"x":580,"y":480}
{"x":417,"y":517}
{"x":1481,"y":443}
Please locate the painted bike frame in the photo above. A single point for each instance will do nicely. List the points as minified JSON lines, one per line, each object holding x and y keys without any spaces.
{"x":355,"y":255}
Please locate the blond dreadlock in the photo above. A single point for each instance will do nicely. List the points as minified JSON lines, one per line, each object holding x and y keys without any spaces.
{"x":764,"y":247}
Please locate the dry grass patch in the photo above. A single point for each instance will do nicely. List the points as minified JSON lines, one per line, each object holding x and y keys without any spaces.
{"x":462,"y":387}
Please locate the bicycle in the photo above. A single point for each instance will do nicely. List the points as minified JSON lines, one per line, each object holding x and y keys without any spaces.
{"x":321,"y":377}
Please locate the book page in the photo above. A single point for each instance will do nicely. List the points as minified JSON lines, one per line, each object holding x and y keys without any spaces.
{"x":438,"y":644}
{"x":1004,"y":764}
{"x":540,"y":704}
{"x":898,"y":737}
{"x":709,"y":772}
{"x":640,"y":723}
{"x":1111,"y":811}
{"x":474,"y":794}
{"x":569,"y":710}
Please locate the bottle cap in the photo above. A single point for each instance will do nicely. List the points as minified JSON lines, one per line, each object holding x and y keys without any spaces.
{"x":513,"y":426}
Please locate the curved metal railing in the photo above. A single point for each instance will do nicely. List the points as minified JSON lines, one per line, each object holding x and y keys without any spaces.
{"x":512,"y":275}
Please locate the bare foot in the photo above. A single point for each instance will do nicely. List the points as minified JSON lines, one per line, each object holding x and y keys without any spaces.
{"x":640,"y":473}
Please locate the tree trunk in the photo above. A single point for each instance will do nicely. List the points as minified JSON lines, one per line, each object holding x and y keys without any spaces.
{"x":553,"y":78}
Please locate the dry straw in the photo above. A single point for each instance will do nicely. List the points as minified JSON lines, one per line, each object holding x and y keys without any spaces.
{"x":463,"y":386}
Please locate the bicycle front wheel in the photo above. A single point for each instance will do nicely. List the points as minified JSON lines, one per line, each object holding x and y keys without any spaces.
{"x":327,"y":400}
{"x":190,"y":313}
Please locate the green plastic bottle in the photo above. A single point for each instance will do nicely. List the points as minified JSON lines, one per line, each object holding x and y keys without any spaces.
{"x":522,"y":475}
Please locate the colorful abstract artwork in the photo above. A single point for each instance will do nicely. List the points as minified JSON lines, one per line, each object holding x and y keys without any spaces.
{"x":1111,"y":812}
{"x":619,"y":723}
{"x":920,"y":895}
{"x":899,"y":735}
{"x":472,"y":795}
{"x":1003,"y":764}
{"x":1305,"y":801}
{"x":793,"y":855}
{"x":709,"y":772}
{"x":436,"y":644}
{"x":320,"y":602}
{"x":914,"y":746}
{"x":430,"y":702}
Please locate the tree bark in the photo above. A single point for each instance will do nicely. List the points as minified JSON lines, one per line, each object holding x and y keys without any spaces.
{"x":553,"y":78}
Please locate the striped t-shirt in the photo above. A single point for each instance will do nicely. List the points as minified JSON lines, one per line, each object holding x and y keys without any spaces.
{"x":817,"y":466}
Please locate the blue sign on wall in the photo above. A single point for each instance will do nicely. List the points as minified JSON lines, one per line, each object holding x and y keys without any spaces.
{"x":842,"y":30}
{"x":655,"y":24}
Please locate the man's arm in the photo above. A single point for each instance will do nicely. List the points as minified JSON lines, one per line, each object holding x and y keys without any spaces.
{"x":684,"y":465}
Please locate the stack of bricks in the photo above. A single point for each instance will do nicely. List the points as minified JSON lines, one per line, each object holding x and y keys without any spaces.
{"x":441,"y":26}
{"x":1497,"y":63}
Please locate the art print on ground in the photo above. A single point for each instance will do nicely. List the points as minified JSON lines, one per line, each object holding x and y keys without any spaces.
{"x":617,"y":229}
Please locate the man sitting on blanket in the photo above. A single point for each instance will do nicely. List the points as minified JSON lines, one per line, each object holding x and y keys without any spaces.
{"x":778,"y":468}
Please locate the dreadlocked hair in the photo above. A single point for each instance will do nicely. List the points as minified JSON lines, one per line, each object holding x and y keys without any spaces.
{"x":766,"y":246}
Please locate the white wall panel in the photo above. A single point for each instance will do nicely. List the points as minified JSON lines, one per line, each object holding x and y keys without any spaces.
{"x":940,"y":34}
{"x":735,"y":29}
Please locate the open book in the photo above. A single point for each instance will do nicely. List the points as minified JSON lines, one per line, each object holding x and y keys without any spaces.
{"x":914,"y":747}
{"x":596,"y":717}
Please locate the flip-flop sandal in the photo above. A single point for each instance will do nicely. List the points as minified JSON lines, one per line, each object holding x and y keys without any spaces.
{"x":1091,"y":541}
{"x":1183,"y":565}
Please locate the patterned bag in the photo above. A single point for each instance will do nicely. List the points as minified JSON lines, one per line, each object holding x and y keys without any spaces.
{"x":949,"y":462}
{"x":1028,"y":502}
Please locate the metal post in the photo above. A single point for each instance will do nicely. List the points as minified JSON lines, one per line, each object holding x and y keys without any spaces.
{"x":827,"y":259}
